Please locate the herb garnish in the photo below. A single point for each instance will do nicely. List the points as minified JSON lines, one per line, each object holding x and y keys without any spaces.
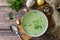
{"x":36,"y":24}
{"x":11,"y":16}
{"x":16,"y":4}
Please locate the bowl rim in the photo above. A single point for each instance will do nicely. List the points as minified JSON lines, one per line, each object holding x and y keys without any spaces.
{"x":45,"y":28}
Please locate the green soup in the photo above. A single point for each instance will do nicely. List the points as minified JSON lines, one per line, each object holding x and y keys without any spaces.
{"x":34,"y":23}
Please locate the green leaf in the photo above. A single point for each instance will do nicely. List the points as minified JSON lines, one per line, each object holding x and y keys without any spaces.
{"x":10,"y":16}
{"x":16,"y":4}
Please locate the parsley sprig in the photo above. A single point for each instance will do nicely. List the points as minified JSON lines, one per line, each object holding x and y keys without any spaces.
{"x":16,"y":4}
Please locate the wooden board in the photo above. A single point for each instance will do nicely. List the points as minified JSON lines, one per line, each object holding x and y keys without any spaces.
{"x":23,"y":32}
{"x":27,"y":37}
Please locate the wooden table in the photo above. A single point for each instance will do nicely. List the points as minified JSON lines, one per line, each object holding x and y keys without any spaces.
{"x":4,"y":23}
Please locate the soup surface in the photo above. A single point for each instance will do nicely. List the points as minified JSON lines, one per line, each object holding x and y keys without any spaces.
{"x":34,"y":23}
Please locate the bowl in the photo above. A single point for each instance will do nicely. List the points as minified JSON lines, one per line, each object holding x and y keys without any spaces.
{"x":34,"y":23}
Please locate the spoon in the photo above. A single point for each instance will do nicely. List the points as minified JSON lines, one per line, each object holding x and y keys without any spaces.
{"x":15,"y":29}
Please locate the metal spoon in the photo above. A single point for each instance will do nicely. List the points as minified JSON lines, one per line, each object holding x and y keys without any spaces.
{"x":15,"y":29}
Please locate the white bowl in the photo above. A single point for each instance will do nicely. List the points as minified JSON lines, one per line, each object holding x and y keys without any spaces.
{"x":44,"y":29}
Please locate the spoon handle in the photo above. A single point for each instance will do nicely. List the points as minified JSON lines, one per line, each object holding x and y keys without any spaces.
{"x":21,"y":35}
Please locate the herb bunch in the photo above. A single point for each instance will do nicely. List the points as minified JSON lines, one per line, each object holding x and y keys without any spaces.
{"x":16,"y":4}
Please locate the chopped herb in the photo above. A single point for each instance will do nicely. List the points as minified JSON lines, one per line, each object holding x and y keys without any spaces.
{"x":24,"y":25}
{"x":40,"y":26}
{"x":35,"y":34}
{"x":16,"y":4}
{"x":11,"y":16}
{"x":35,"y":12}
{"x":36,"y":24}
{"x":36,"y":27}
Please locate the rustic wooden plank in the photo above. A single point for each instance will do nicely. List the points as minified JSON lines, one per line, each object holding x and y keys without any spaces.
{"x":4,"y":19}
{"x":9,"y":38}
{"x":3,"y":3}
{"x":6,"y":34}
